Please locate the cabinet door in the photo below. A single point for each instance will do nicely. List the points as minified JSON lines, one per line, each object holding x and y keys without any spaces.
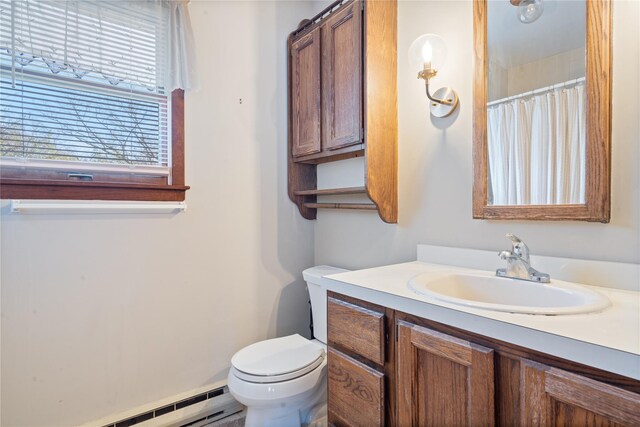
{"x":305,"y":94}
{"x":355,"y":392}
{"x":551,"y":396}
{"x":342,"y":78}
{"x":357,"y":329}
{"x":442,"y":380}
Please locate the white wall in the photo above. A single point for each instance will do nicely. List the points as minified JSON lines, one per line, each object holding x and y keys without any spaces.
{"x":559,"y":68}
{"x":104,"y":313}
{"x":547,"y":71}
{"x":435,"y":168}
{"x":101,"y":314}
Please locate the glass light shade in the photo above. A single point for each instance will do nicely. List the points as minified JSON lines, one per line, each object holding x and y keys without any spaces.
{"x":427,"y":52}
{"x":530,"y":10}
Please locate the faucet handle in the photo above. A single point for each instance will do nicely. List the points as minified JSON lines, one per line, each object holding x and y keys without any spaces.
{"x":513,"y":237}
{"x":519,"y":247}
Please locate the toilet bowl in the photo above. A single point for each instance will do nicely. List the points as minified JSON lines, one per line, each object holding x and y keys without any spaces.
{"x":283,"y":381}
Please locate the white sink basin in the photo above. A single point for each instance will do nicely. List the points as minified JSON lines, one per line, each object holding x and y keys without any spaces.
{"x":489,"y":292}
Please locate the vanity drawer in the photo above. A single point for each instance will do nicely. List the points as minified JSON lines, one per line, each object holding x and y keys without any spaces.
{"x":355,"y":328}
{"x":355,"y":392}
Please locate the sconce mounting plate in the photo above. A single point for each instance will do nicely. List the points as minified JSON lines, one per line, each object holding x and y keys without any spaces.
{"x":442,"y":109}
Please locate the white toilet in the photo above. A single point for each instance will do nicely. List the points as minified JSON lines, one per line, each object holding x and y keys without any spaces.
{"x":283,"y":381}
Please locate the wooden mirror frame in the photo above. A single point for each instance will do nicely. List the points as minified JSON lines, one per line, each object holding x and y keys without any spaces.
{"x":598,"y":156}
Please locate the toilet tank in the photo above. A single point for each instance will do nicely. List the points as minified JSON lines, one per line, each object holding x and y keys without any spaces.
{"x":318,"y":295}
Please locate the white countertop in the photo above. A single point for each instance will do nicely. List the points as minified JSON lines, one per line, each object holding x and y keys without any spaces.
{"x":609,"y":340}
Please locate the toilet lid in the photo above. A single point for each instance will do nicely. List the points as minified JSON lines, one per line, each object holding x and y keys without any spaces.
{"x":277,"y":356}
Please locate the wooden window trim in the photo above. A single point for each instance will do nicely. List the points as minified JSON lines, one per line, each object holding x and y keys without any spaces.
{"x":43,"y":187}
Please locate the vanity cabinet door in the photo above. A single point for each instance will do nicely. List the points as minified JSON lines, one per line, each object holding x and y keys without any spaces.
{"x":305,"y":96}
{"x":443,"y":380}
{"x":342,"y":78}
{"x":355,"y":394}
{"x":552,"y":396}
{"x":357,"y":329}
{"x":361,"y":363}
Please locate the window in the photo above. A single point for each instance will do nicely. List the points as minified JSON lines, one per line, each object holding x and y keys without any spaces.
{"x":86,"y":109}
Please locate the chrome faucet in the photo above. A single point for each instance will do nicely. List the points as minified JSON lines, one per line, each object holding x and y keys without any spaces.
{"x":519,"y":264}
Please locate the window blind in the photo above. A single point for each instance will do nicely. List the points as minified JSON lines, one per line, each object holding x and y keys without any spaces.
{"x":83,"y":83}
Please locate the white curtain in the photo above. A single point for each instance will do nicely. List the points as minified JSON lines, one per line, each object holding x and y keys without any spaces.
{"x":141,"y":45}
{"x":537,"y":148}
{"x":182,"y":67}
{"x":500,"y":121}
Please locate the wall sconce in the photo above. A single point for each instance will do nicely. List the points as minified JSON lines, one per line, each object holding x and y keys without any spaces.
{"x":427,"y":54}
{"x":528,"y":10}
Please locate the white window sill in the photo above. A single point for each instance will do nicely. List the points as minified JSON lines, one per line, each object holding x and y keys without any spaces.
{"x":94,"y":207}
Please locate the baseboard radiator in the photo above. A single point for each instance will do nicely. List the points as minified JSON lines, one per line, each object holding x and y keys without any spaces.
{"x":195,"y":411}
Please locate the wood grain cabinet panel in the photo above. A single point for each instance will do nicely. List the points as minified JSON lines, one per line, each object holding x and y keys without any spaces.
{"x":551,"y":397}
{"x":355,"y":392}
{"x":357,"y":329}
{"x":430,"y":374}
{"x":305,"y":85}
{"x":342,"y":78}
{"x":442,"y":380}
{"x":343,"y":104}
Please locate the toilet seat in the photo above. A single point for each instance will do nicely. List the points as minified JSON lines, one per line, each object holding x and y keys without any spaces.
{"x":255,"y":394}
{"x":277,"y":360}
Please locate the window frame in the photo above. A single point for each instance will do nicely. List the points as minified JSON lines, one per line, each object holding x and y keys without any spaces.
{"x":42,"y":186}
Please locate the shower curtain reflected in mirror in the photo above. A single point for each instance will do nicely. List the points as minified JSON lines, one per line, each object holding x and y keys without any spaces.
{"x":537,"y":147}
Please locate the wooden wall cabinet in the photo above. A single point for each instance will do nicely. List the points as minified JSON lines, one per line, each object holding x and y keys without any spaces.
{"x":335,"y":111}
{"x":326,"y":88}
{"x":305,"y":84}
{"x":432,"y":374}
{"x":342,"y":79}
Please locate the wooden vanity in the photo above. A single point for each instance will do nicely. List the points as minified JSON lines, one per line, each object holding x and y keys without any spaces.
{"x":399,"y":358}
{"x":387,"y":367}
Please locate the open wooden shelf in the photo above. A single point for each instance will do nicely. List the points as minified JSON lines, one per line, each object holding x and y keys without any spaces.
{"x":310,"y":202}
{"x":331,"y":191}
{"x":363,"y":206}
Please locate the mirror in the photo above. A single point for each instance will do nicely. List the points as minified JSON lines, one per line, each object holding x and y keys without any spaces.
{"x":542,"y":95}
